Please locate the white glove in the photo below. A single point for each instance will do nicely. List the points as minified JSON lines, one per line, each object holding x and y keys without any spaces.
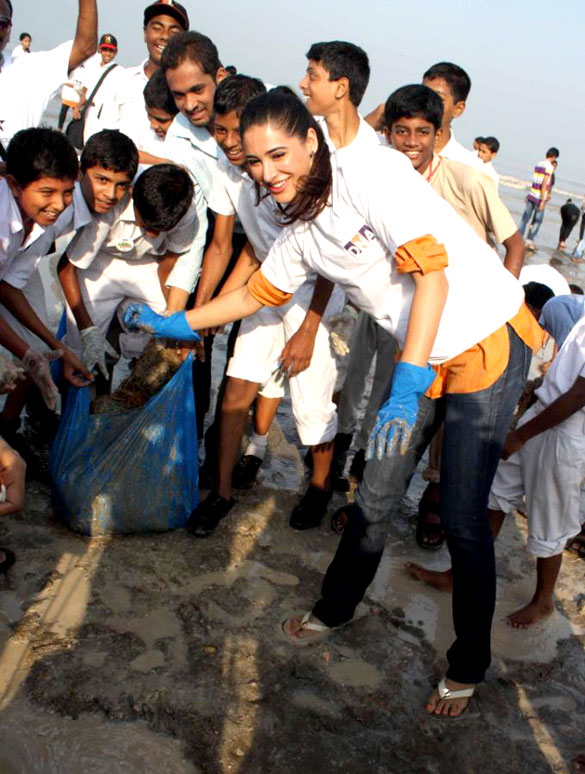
{"x":94,"y":350}
{"x":37,"y":365}
{"x":10,"y":373}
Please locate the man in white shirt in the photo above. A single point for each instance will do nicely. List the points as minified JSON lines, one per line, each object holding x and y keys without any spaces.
{"x":26,"y":89}
{"x":162,"y":20}
{"x":23,"y":47}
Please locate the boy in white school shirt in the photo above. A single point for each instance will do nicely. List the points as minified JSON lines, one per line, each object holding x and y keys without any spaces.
{"x":132,"y":251}
{"x":41,"y":169}
{"x":544,"y":464}
{"x":266,"y":336}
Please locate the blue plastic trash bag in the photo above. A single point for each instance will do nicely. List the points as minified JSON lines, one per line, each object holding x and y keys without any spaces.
{"x":136,"y":471}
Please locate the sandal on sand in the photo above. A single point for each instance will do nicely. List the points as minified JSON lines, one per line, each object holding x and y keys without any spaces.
{"x":319,"y":631}
{"x":447,"y":694}
{"x":429,"y":534}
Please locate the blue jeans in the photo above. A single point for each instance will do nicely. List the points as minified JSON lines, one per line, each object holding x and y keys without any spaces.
{"x":531,"y":213}
{"x":476,"y":425}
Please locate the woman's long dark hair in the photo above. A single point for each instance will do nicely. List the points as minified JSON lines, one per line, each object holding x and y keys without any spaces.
{"x":281,"y":107}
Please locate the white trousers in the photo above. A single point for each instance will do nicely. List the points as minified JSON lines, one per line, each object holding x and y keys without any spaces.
{"x":34,"y":292}
{"x":548,"y":472}
{"x":260,"y":342}
{"x":111,"y":282}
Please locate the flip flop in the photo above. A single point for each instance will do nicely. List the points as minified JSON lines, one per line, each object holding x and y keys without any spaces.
{"x":321,"y":632}
{"x":449,"y":694}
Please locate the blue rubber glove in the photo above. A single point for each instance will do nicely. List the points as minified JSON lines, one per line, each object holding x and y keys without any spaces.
{"x":139,"y":317}
{"x":397,"y":416}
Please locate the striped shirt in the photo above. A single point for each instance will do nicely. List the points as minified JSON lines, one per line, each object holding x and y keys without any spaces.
{"x":541,"y":176}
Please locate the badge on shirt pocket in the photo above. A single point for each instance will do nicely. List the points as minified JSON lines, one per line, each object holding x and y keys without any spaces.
{"x":125,"y":245}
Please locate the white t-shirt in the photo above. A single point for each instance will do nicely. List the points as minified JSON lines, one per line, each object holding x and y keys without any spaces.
{"x":27,"y":86}
{"x":566,"y":367}
{"x":379,"y":202}
{"x":14,"y":248}
{"x":546,"y":275}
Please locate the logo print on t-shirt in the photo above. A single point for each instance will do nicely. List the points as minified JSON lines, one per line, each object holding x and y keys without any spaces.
{"x":360,"y":241}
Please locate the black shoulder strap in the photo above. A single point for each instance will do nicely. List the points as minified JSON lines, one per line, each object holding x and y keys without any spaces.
{"x":89,"y":100}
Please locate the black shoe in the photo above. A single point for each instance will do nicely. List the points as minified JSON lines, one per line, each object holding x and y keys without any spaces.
{"x":245,"y":472}
{"x":310,"y":511}
{"x":356,"y":470}
{"x":205,"y":518}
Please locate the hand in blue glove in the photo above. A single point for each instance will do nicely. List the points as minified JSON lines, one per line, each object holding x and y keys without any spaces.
{"x":397,"y":416}
{"x":139,"y":317}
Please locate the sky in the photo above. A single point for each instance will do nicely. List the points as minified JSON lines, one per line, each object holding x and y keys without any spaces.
{"x":522,"y":56}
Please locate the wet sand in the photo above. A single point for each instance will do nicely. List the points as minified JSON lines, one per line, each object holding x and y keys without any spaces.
{"x":163,"y":653}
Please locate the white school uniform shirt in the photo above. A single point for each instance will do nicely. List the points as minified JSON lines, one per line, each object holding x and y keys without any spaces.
{"x":378,"y":203}
{"x":14,"y":248}
{"x":564,"y":370}
{"x":117,"y":235}
{"x":133,"y":119}
{"x":73,"y":219}
{"x":233,"y":192}
{"x":26,"y":87}
{"x":456,"y":152}
{"x":105,"y":111}
{"x":195,"y":149}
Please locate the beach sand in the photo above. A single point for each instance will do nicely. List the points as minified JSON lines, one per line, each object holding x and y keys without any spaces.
{"x":163,"y":653}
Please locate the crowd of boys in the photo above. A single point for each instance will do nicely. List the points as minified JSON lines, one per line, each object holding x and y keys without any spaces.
{"x":159,"y":208}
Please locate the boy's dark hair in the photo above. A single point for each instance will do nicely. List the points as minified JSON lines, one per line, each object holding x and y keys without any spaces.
{"x":158,"y":96}
{"x":231,"y":69}
{"x":344,"y":60}
{"x":234,"y":93}
{"x":478,"y":139}
{"x":537,"y":295}
{"x":162,"y":195}
{"x":414,"y":101}
{"x":454,"y":76}
{"x":553,"y":153}
{"x":193,"y":46}
{"x":9,"y":4}
{"x":24,"y":35}
{"x":576,"y":290}
{"x":492,"y":143}
{"x":110,"y":149}
{"x":40,"y":152}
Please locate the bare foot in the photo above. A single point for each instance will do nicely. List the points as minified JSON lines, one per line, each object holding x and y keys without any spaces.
{"x":530,"y":614}
{"x":294,"y":629}
{"x":443,"y":581}
{"x":449,"y":708}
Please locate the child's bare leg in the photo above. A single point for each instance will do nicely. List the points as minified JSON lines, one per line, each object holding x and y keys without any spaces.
{"x":322,"y":456}
{"x":265,"y":412}
{"x":238,"y":397}
{"x":541,"y":605}
{"x":443,"y":580}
